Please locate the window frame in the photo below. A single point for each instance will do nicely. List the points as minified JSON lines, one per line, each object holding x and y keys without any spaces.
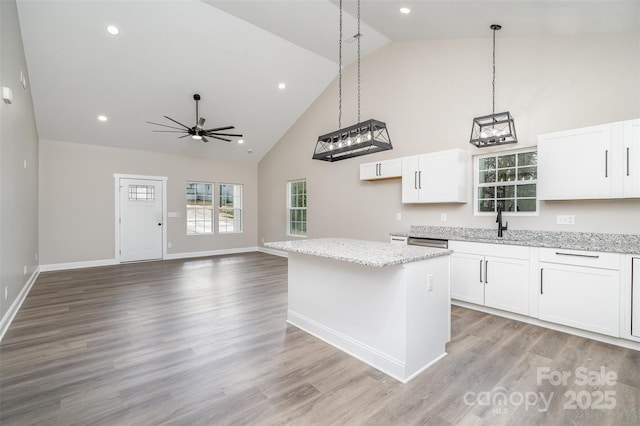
{"x":241,"y":208}
{"x":289,"y":208}
{"x":212,"y":208}
{"x":477,"y":185}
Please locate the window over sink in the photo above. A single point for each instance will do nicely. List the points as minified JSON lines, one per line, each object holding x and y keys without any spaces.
{"x":508,"y":180}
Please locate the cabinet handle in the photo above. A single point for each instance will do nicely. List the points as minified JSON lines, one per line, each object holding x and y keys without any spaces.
{"x":592,"y":256}
{"x":480,"y":270}
{"x":379,"y":169}
{"x":627,"y":161}
{"x":420,"y":179}
{"x":541,"y":269}
{"x":486,"y":272}
{"x":606,"y":163}
{"x":397,"y":239}
{"x":415,"y":180}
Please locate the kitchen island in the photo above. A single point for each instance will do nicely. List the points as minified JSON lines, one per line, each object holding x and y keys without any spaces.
{"x":387,"y":305}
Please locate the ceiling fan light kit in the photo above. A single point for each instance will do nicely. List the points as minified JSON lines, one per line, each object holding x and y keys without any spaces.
{"x":198,"y":131}
{"x":364,"y":138}
{"x":496,"y":128}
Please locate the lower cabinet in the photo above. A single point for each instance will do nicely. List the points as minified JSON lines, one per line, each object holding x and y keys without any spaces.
{"x":491,"y":275}
{"x":581,"y":290}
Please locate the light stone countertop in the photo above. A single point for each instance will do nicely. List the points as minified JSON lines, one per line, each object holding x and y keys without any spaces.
{"x":369,"y":253}
{"x":614,"y":243}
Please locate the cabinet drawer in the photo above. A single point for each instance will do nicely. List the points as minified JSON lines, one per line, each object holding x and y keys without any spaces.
{"x":485,"y":249}
{"x":591,"y":259}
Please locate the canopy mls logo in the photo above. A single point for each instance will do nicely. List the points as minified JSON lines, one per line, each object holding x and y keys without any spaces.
{"x":500,"y":400}
{"x":504,"y":402}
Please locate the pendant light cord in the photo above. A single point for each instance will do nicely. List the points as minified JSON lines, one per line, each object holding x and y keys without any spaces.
{"x":340,"y":72}
{"x":493,"y":108}
{"x":359,"y":37}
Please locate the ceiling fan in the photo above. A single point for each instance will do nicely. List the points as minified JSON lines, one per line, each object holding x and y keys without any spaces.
{"x":198,"y":131}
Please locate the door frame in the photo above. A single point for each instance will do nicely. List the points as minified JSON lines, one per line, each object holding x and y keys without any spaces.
{"x":116,"y":180}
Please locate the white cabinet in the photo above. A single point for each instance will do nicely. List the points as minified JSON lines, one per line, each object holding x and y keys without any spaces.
{"x":438,"y":177}
{"x":491,"y":275}
{"x":580,"y":289}
{"x":631,"y":159}
{"x":590,"y":163}
{"x":635,"y":296}
{"x":386,"y":169}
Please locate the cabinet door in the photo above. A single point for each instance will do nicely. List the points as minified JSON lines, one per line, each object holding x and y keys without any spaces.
{"x":368,"y":171}
{"x":411,"y":179}
{"x":575,"y":164}
{"x":390,"y":168}
{"x":631,"y":159}
{"x":467,"y":280}
{"x":444,"y":177}
{"x":635,"y":300}
{"x":507,"y":284}
{"x":580,"y":297}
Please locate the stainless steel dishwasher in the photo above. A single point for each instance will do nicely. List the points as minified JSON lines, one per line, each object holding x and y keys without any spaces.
{"x":428,"y":242}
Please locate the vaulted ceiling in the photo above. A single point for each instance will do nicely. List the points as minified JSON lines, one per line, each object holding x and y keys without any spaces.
{"x":235,"y":53}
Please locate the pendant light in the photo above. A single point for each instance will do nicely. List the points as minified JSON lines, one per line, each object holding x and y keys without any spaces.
{"x":365,"y":137}
{"x":494,"y":129}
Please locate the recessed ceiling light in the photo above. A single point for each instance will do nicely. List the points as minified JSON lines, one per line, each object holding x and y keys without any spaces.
{"x":282,"y":86}
{"x":405,"y":10}
{"x":113,"y":30}
{"x":102,"y":117}
{"x":240,"y":140}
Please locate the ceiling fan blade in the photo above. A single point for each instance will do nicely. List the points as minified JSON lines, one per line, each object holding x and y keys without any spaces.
{"x":169,"y":131}
{"x":236,"y":135}
{"x":163,"y":125}
{"x":205,"y":139}
{"x":200,"y":123}
{"x":180,"y":137}
{"x":177,"y":122}
{"x":219,"y":128}
{"x":222,"y":139}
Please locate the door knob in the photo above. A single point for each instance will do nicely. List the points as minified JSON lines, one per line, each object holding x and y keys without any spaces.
{"x":160,"y":224}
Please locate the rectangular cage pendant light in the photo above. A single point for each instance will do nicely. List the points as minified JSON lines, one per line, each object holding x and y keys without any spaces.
{"x":493,"y":129}
{"x":363,"y":138}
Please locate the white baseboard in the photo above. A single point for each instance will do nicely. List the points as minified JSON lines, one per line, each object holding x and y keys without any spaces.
{"x":558,"y":327}
{"x":6,"y":320}
{"x":207,"y":253}
{"x":274,"y":252}
{"x":76,"y":265}
{"x":173,"y":256}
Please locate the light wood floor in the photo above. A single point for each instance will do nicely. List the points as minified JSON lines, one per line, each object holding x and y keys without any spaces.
{"x":204,"y":341}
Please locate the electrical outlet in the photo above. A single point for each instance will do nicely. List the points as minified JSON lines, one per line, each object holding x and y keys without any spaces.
{"x":430,"y":282}
{"x":6,"y":293}
{"x":398,"y":216}
{"x":443,"y":217}
{"x":25,"y":269}
{"x":566,"y":219}
{"x":36,"y":257}
{"x":25,"y":164}
{"x":169,"y":245}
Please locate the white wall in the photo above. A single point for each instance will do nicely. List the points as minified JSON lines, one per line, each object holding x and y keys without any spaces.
{"x":18,"y":186}
{"x":77,"y":207}
{"x":428,"y":93}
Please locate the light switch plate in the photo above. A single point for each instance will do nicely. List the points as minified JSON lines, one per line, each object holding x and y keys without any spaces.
{"x":566,"y":219}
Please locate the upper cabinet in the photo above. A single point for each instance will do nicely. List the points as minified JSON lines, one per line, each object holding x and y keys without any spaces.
{"x":386,"y":169}
{"x":438,"y":177}
{"x":590,"y":163}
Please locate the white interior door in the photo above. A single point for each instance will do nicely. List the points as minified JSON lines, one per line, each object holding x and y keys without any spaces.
{"x":141,"y":219}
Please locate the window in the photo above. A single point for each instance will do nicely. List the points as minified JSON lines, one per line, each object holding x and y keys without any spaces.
{"x":506,"y":180}
{"x":230,"y":208}
{"x":297,"y":208}
{"x":199,"y":208}
{"x":142,"y":192}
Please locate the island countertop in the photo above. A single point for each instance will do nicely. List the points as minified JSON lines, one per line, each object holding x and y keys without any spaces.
{"x":369,"y":253}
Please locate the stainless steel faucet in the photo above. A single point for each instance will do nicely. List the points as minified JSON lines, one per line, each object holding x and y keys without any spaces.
{"x":499,"y":221}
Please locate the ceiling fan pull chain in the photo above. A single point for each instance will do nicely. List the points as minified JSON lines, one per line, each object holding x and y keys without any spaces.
{"x":359,"y":36}
{"x":340,"y":72}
